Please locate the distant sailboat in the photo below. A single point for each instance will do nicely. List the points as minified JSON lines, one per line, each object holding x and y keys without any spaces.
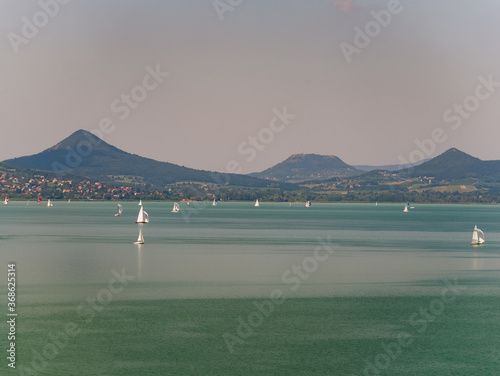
{"x":140,"y":239}
{"x":376,"y":203}
{"x":49,"y":203}
{"x":477,"y":236}
{"x":28,"y":203}
{"x":140,"y":203}
{"x":176,"y":208}
{"x":290,"y":204}
{"x":120,"y":209}
{"x":6,"y":201}
{"x":406,"y":209}
{"x":214,"y":203}
{"x":39,"y":201}
{"x":308,"y":204}
{"x":257,"y":202}
{"x":143,"y":216}
{"x":69,"y":201}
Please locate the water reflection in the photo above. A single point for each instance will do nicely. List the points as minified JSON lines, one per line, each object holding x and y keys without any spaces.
{"x":139,"y":262}
{"x":477,"y":261}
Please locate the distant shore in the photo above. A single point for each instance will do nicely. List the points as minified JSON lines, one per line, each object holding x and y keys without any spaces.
{"x":146,"y":200}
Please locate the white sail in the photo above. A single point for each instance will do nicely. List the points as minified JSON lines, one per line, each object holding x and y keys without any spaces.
{"x":480,"y":236}
{"x":120,"y":210}
{"x":69,"y":201}
{"x":6,"y":201}
{"x":477,"y":236}
{"x":257,"y":202}
{"x":143,"y":216}
{"x":49,"y":203}
{"x":214,"y":203}
{"x":406,"y":209}
{"x":308,"y":204}
{"x":176,"y":208}
{"x":140,"y":238}
{"x":140,"y":203}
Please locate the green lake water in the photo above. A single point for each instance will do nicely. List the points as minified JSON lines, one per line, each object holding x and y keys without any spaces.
{"x":334,"y":289}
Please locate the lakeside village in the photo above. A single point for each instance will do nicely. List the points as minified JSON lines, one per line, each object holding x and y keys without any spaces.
{"x":15,"y":186}
{"x":18,"y":184}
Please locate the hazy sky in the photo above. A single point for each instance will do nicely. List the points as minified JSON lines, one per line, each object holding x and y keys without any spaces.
{"x":366,"y":99}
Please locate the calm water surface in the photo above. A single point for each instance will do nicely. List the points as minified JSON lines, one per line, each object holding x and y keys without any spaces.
{"x":205,"y":270}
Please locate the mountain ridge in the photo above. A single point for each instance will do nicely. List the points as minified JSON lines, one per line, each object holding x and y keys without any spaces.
{"x":455,"y":164}
{"x":84,"y":154}
{"x":305,"y":167}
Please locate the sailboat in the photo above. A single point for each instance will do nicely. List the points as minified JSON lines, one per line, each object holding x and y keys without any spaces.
{"x":69,"y":201}
{"x":176,"y":208}
{"x":140,"y":238}
{"x":140,"y":203}
{"x":406,"y":209}
{"x":120,"y":209}
{"x":257,"y":202}
{"x":308,"y":204}
{"x":49,"y":203}
{"x":143,"y":216}
{"x":214,"y":203}
{"x":6,"y":201}
{"x":376,"y":203}
{"x":477,"y":236}
{"x":39,"y":200}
